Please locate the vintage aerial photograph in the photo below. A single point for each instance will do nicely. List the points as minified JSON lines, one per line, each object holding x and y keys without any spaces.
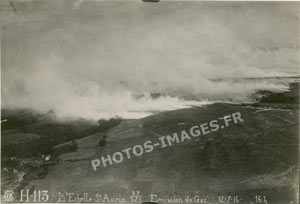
{"x":149,"y":101}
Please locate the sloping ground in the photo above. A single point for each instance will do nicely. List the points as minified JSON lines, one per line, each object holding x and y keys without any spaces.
{"x":90,"y":141}
{"x":86,"y":148}
{"x":31,"y":142}
{"x":126,"y":129}
{"x":258,"y":156}
{"x":18,"y":138}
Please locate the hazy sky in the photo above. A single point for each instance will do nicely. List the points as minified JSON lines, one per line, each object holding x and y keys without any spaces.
{"x":93,"y":58}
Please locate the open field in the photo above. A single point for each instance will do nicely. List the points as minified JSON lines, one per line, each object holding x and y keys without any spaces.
{"x":258,"y":156}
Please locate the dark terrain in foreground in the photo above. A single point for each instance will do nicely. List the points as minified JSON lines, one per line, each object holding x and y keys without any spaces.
{"x":256,"y":157}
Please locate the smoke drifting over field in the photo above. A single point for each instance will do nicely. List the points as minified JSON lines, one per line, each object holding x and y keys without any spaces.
{"x":102,"y":59}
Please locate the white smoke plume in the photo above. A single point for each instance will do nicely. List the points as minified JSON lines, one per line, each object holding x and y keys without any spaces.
{"x":104,"y":59}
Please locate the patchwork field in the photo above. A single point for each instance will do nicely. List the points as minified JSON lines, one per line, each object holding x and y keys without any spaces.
{"x":256,"y":157}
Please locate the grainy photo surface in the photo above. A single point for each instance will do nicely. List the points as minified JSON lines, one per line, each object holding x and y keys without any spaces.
{"x":161,"y":102}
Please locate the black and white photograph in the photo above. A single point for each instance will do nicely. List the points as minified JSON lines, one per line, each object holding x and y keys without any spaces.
{"x":149,"y":101}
